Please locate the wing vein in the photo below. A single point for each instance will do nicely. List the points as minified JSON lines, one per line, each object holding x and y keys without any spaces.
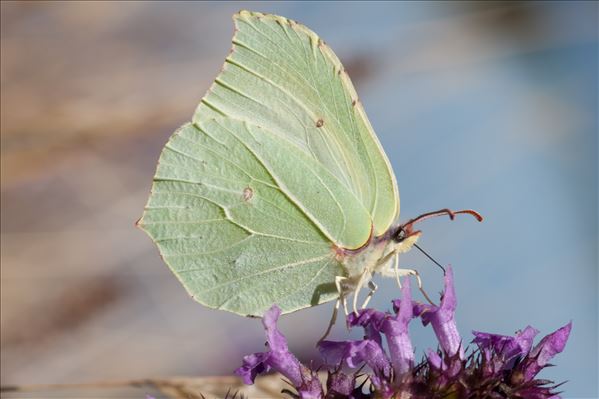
{"x":283,"y":190}
{"x":269,"y":270}
{"x":310,"y":114}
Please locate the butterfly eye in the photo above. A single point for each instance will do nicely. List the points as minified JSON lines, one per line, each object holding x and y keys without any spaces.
{"x":401,"y":235}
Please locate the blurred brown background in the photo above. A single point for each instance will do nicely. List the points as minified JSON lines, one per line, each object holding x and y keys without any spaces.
{"x":92,"y":90}
{"x":90,"y":93}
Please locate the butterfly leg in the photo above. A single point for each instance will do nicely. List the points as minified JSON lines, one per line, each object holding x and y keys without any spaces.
{"x":373,"y":287}
{"x":396,"y":269}
{"x":359,"y":286}
{"x":342,"y":289}
{"x":363,"y":278}
{"x":331,"y":322}
{"x":410,"y":272}
{"x":342,"y":299}
{"x":345,"y":308}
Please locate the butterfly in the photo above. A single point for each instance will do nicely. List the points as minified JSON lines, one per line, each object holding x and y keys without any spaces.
{"x":278,"y":190}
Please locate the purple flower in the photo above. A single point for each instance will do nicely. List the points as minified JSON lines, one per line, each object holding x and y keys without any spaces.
{"x":442,"y":319}
{"x":355,"y":353}
{"x":501,"y":351}
{"x":254,"y":364}
{"x":508,"y":346}
{"x":369,"y":350}
{"x":503,"y":365}
{"x":279,"y":359}
{"x":340,"y":384}
{"x":369,"y":319}
{"x":397,"y":334}
{"x":545,"y":350}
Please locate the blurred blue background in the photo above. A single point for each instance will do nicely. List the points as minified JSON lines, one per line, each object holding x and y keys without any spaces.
{"x":490,"y":106}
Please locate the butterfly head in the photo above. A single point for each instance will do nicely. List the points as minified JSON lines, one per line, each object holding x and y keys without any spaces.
{"x":406,"y":236}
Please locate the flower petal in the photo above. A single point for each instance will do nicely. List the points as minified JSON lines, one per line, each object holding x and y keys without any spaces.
{"x":442,"y":318}
{"x":355,"y":353}
{"x":396,"y":331}
{"x":545,"y":350}
{"x":340,"y":384}
{"x":371,"y":320}
{"x":334,"y":352}
{"x":506,"y":345}
{"x":280,"y":358}
{"x":502,"y":351}
{"x":434,"y":359}
{"x":253,"y":365}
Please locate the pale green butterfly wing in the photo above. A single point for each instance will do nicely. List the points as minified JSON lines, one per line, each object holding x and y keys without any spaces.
{"x":279,"y":170}
{"x":280,"y":75}
{"x":245,"y":219}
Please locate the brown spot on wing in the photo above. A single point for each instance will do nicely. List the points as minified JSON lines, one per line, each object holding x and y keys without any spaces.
{"x":248,"y":193}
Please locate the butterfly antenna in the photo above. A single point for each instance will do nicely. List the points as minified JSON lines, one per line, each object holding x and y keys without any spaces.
{"x":407,"y":229}
{"x":448,"y":212}
{"x":430,"y":257}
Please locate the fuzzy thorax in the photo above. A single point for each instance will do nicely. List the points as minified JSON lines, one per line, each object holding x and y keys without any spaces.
{"x":376,"y":257}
